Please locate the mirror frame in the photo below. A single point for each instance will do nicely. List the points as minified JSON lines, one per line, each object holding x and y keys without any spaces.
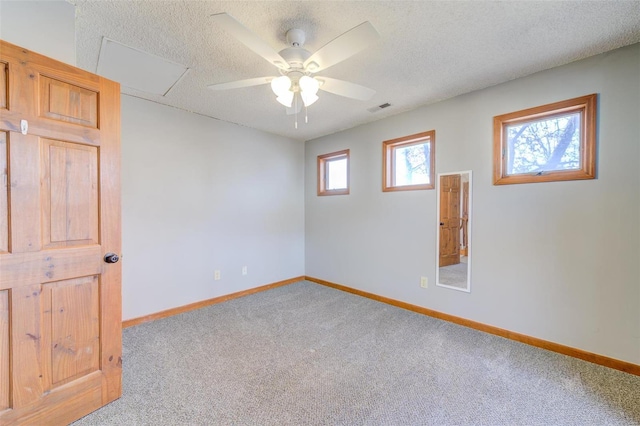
{"x":469,"y":229}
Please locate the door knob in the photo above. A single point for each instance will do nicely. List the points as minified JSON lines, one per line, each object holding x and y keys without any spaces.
{"x":111,"y":258}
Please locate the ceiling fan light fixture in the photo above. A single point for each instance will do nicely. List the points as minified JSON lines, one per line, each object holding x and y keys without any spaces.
{"x":281,"y":86}
{"x":309,"y":85}
{"x":308,"y":98}
{"x":286,"y":98}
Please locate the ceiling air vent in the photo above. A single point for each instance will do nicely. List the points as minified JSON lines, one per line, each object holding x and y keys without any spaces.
{"x":379,"y":107}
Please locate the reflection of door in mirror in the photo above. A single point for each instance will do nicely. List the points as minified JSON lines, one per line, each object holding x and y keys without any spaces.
{"x":454,"y":230}
{"x":450,"y":220}
{"x":464,"y":217}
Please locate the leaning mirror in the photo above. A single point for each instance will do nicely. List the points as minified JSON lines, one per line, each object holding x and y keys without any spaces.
{"x":454,"y":230}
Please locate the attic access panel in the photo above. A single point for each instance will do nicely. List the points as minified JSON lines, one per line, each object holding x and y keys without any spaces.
{"x":138,"y":70}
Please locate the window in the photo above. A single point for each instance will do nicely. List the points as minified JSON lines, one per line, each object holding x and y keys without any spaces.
{"x":409,"y":163}
{"x":333,"y":173}
{"x":547,"y":143}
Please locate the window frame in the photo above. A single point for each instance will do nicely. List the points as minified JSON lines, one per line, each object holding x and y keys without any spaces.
{"x":322,"y":172}
{"x":585,"y":105}
{"x":388,"y":163}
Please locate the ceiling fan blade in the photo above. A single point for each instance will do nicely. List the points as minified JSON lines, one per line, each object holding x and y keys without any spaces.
{"x":241,"y":83}
{"x":296,"y":105}
{"x":342,"y":47}
{"x":250,"y":39}
{"x":345,"y":88}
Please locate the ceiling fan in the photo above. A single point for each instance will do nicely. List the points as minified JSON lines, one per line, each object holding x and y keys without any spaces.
{"x":296,"y":85}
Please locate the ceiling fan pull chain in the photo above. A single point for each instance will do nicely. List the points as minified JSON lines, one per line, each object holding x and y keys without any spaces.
{"x":295,"y":105}
{"x":306,"y":117}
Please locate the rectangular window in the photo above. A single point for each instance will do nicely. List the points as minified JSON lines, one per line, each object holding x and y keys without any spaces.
{"x":333,"y":173}
{"x":408,"y":163}
{"x":547,"y":143}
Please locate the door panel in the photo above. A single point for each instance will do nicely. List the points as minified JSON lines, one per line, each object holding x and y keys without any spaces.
{"x":69,"y":194}
{"x":67,"y":102}
{"x":72,"y":313}
{"x":24,"y":178}
{"x":26,"y":355}
{"x":4,"y":349}
{"x":449,"y":220}
{"x":4,"y":200}
{"x":60,"y":304}
{"x":3,"y":85}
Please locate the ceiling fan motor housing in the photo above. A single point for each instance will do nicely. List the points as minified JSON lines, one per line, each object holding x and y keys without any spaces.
{"x":295,"y":37}
{"x":295,"y":57}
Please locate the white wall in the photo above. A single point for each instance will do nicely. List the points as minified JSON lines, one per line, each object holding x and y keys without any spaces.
{"x":54,"y":21}
{"x":199,"y":195}
{"x":559,"y":261}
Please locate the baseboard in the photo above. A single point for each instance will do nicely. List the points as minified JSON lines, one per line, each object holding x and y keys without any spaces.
{"x":208,"y":302}
{"x":616,"y":364}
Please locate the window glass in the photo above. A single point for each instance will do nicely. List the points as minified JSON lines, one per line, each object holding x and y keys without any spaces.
{"x":544,"y":145}
{"x":408,"y":163}
{"x":337,"y":174}
{"x":547,"y":143}
{"x":333,"y":173}
{"x":411,"y":165}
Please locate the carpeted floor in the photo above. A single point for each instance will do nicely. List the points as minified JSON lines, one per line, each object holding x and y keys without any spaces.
{"x":454,"y":275}
{"x":305,"y":354}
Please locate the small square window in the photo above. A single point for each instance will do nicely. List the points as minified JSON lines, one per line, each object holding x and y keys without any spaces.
{"x":547,"y":143}
{"x":408,"y":163}
{"x":333,"y":173}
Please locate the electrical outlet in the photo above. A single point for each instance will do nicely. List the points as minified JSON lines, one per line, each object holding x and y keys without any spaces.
{"x":424,"y":283}
{"x":244,"y":270}
{"x":216,"y":274}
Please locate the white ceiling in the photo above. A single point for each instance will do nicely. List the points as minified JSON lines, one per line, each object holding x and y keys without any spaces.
{"x":428,"y":50}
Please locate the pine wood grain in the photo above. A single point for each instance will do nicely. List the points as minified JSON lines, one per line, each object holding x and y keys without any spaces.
{"x":24,"y":176}
{"x":4,"y":351}
{"x":69,"y":194}
{"x":51,"y":265}
{"x":72,"y":313}
{"x":64,"y":215}
{"x":67,"y":102}
{"x":111,"y":240}
{"x":4,"y":200}
{"x":3,"y":85}
{"x":27,"y":384}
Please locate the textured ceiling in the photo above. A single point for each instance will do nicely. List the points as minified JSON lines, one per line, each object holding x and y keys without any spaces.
{"x":428,"y":50}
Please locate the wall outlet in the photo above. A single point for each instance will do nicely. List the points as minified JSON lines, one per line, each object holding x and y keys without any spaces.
{"x":424,"y":283}
{"x":244,"y":270}
{"x":216,"y":274}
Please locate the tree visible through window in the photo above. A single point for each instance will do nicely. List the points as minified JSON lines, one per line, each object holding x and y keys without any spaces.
{"x":412,"y":164}
{"x":408,"y":162}
{"x":551,"y":142}
{"x":545,"y":145}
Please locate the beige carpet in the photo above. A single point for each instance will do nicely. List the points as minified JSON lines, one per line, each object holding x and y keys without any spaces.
{"x":305,"y":354}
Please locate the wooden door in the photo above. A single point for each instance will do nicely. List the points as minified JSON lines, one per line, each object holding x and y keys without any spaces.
{"x":464,"y":220}
{"x":449,"y":220}
{"x":60,"y":303}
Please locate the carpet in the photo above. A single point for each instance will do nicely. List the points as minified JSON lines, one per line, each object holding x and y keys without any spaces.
{"x":305,"y":354}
